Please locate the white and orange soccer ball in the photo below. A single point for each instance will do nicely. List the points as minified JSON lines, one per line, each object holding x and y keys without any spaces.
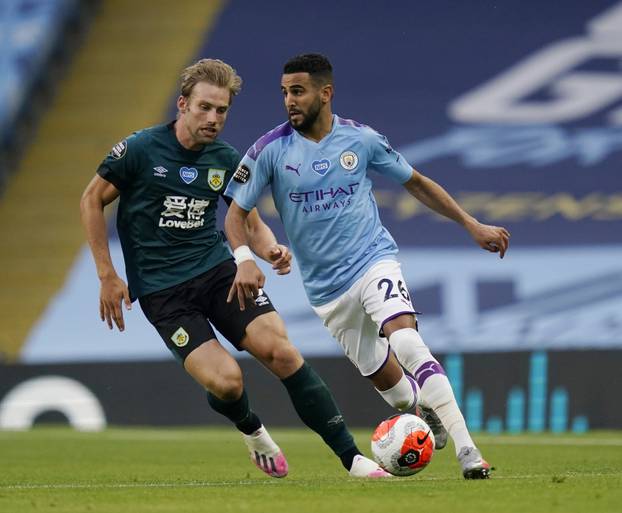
{"x":403,"y":444}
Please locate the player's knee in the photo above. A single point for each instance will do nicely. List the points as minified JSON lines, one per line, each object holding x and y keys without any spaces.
{"x":228,"y":389}
{"x":404,"y":321}
{"x":227,"y":384}
{"x":388,"y":374}
{"x":284,"y":358}
{"x":409,"y":347}
{"x":267,"y":340}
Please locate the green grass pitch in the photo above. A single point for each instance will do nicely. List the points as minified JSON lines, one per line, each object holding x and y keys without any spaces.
{"x":195,"y":470}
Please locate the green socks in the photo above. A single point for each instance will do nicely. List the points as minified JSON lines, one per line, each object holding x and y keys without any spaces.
{"x":238,"y":412}
{"x":316,"y":407}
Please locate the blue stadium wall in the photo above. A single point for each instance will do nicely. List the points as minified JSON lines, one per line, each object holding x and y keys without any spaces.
{"x":519,"y":118}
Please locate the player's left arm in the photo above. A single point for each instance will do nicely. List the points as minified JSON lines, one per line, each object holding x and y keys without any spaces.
{"x":495,"y":239}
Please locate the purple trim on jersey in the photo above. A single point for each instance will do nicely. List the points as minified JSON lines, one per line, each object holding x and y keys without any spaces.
{"x":390,"y":318}
{"x":428,"y":369}
{"x":349,"y":122}
{"x":280,"y":131}
{"x":386,"y":359}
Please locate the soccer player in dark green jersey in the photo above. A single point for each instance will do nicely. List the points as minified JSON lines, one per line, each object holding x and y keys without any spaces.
{"x":168,"y":179}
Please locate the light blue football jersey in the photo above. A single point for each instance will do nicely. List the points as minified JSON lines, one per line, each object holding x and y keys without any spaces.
{"x":324,"y":198}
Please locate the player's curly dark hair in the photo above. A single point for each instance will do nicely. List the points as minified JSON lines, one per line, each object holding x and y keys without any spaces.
{"x":317,"y":65}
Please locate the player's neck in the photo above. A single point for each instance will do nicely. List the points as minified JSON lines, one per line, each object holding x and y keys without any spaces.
{"x":321,"y":128}
{"x":185,"y":139}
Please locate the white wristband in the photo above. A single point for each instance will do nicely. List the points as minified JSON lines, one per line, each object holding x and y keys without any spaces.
{"x":242,"y":254}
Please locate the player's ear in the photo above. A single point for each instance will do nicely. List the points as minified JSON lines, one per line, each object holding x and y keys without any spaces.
{"x":182,"y":103}
{"x":327,"y":93}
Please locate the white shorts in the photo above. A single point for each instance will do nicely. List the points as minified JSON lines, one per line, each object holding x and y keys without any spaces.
{"x":356,"y":317}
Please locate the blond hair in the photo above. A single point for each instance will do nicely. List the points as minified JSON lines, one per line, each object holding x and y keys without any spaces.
{"x":212,"y":71}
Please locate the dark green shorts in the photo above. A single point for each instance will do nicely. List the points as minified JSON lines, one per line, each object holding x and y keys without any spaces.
{"x":186,"y":314}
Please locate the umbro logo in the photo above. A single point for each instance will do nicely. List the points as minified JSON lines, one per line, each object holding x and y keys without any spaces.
{"x":160,"y":171}
{"x":261,"y":299}
{"x":335,"y":421}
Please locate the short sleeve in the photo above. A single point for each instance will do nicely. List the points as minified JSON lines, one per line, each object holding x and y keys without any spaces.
{"x":121,"y":165}
{"x":250,"y":179}
{"x":384,"y":159}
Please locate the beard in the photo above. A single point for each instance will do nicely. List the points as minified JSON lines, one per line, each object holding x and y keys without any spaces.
{"x":310,"y":117}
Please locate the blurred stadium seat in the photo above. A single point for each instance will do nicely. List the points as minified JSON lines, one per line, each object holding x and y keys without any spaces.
{"x":36,"y":39}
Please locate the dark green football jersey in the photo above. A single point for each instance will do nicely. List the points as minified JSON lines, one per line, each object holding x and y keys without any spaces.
{"x":166,"y":216}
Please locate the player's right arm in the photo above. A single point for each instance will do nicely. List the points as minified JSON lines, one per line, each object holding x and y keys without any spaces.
{"x":113,"y":289}
{"x":249,"y":179}
{"x":249,"y":278}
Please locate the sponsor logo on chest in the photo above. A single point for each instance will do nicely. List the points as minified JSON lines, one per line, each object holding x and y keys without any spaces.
{"x":183,"y":212}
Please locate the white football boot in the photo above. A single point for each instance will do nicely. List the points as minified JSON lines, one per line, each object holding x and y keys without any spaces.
{"x":472,"y":463}
{"x":364,"y":467}
{"x":265,"y":454}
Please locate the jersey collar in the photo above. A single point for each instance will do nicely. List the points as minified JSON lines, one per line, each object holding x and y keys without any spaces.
{"x":324,"y":139}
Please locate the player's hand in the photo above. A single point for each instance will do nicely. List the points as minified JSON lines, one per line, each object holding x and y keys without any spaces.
{"x":113,"y":291}
{"x":280,"y":258}
{"x":495,"y":239}
{"x":248,"y":280}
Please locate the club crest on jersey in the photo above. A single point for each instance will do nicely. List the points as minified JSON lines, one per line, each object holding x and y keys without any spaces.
{"x":348,"y":160}
{"x":118,"y":150}
{"x":188,"y":174}
{"x":321,"y":167}
{"x":180,"y":338}
{"x":216,"y":178}
{"x":242,"y":174}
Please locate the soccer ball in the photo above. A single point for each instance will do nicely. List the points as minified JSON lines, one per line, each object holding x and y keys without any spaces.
{"x":403,"y":444}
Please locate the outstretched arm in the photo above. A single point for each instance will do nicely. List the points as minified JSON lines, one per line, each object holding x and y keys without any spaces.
{"x":113,"y":289}
{"x":491,"y":238}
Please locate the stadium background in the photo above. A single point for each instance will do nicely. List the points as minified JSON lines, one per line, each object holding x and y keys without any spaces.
{"x":520,"y":118}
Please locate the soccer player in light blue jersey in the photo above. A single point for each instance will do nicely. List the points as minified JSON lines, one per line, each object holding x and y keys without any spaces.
{"x":317,"y":166}
{"x":168,"y":180}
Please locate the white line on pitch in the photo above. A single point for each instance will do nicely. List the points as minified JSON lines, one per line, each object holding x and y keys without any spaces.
{"x":292,"y":482}
{"x":61,"y":486}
